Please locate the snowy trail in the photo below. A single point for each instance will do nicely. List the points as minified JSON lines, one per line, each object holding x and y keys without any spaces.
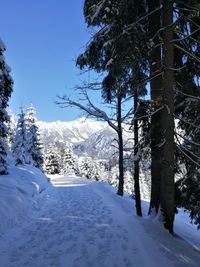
{"x":79,"y":223}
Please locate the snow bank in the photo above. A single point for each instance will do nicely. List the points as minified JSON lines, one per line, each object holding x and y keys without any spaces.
{"x":17,"y":191}
{"x":183,"y":227}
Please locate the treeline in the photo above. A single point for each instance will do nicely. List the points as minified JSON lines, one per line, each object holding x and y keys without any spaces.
{"x":59,"y":158}
{"x":148,"y":52}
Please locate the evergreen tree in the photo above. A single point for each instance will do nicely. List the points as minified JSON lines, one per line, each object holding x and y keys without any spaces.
{"x":84,"y":168}
{"x":94,"y":171}
{"x":136,"y":42}
{"x":89,"y":169}
{"x":34,"y":146}
{"x":124,"y":46}
{"x":6,"y":84}
{"x":187,"y":105}
{"x":167,"y":149}
{"x":113,"y":50}
{"x":51,"y":161}
{"x":68,"y":163}
{"x":156,"y":86}
{"x":11,"y":130}
{"x":19,"y":148}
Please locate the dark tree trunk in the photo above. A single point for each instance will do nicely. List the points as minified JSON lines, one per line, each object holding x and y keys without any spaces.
{"x":120,"y":143}
{"x":136,"y":161}
{"x":167,"y":180}
{"x":156,"y":97}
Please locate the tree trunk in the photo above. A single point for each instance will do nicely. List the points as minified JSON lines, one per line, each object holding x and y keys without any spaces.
{"x":136,"y":161}
{"x":167,"y":180}
{"x":120,"y":143}
{"x":156,"y":97}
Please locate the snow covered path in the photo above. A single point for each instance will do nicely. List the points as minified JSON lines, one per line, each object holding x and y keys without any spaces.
{"x":82,"y":223}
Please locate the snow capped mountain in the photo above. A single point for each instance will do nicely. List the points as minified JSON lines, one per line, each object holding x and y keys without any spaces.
{"x":85,"y":136}
{"x":99,"y":145}
{"x":71,"y":132}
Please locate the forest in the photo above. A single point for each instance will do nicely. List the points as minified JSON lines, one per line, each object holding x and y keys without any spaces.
{"x":146,"y":55}
{"x":148,"y":51}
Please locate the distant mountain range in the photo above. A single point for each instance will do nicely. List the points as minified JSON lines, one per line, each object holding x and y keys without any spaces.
{"x":85,"y":136}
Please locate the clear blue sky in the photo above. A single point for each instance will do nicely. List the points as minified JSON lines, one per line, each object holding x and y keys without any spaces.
{"x":43,"y":38}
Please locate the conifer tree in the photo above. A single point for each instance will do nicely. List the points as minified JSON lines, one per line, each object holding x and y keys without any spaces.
{"x":89,"y":169}
{"x":115,"y":49}
{"x":68,"y":163}
{"x":51,"y":161}
{"x":34,"y":145}
{"x":6,"y":84}
{"x":167,"y":150}
{"x":19,"y":148}
{"x":11,"y":130}
{"x":156,"y":85}
{"x":187,"y":105}
{"x":147,"y":35}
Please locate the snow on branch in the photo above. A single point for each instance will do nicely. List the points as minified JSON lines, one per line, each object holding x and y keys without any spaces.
{"x":182,"y":150}
{"x":188,"y":140}
{"x":96,"y":8}
{"x":187,"y":122}
{"x":186,"y":155}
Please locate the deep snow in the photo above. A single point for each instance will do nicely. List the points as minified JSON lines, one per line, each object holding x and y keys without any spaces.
{"x":17,"y":193}
{"x":78,"y":222}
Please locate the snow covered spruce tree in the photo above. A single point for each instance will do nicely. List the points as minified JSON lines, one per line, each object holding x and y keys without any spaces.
{"x":111,"y":51}
{"x":176,"y":44}
{"x":187,"y":106}
{"x":52,"y":161}
{"x":89,"y":168}
{"x":34,"y":146}
{"x":19,"y":148}
{"x":156,"y":85}
{"x":68,"y":162}
{"x":116,"y":49}
{"x":6,"y":87}
{"x":145,"y":35}
{"x":11,"y":130}
{"x":125,"y":26}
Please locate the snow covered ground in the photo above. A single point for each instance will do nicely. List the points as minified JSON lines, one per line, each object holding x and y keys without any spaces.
{"x":17,"y":192}
{"x":82,"y":223}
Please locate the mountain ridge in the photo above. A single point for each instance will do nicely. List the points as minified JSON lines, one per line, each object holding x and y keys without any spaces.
{"x":85,"y":136}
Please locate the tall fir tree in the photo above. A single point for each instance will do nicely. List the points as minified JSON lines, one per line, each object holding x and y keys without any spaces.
{"x":19,"y":148}
{"x":52,"y":161}
{"x":187,"y":106}
{"x":11,"y":130}
{"x":90,"y":169}
{"x":6,"y":88}
{"x":34,"y":146}
{"x":156,"y":85}
{"x":125,"y":39}
{"x":147,"y":35}
{"x":111,"y":50}
{"x":68,"y":163}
